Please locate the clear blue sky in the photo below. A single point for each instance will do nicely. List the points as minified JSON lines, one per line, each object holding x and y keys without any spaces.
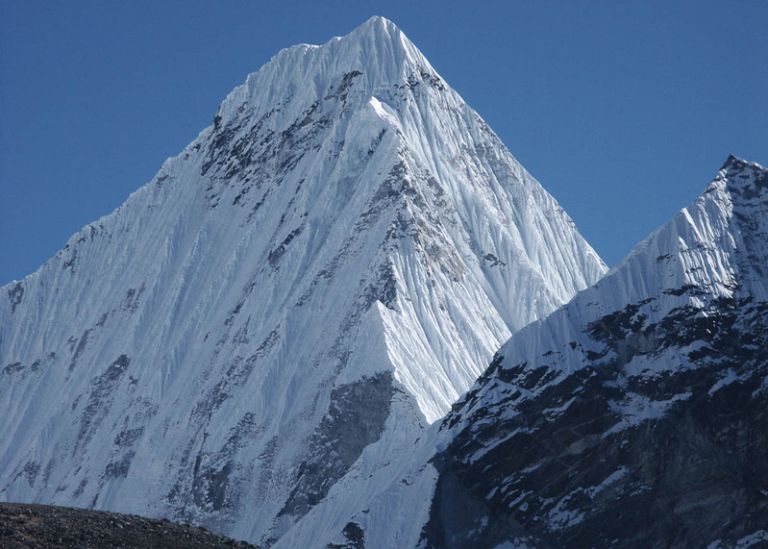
{"x":623,"y":110}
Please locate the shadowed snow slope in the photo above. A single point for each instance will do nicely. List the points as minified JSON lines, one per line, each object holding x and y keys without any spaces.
{"x":634,"y":416}
{"x":322,"y":272}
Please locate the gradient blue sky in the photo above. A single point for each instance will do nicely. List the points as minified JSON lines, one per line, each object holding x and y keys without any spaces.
{"x":623,"y":110}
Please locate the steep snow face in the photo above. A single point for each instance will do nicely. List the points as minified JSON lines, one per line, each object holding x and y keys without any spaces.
{"x":318,"y":275}
{"x":634,"y":416}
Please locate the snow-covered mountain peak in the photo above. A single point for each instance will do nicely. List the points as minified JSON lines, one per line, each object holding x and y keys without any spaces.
{"x":384,"y":33}
{"x":741,"y":183}
{"x":708,"y":250}
{"x":323,"y":271}
{"x":710,"y":256}
{"x":377,"y":56}
{"x":736,"y":165}
{"x":375,"y":22}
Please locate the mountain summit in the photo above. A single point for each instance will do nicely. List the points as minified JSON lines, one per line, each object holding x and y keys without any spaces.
{"x":315,"y":278}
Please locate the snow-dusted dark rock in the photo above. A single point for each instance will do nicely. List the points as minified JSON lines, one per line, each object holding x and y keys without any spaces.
{"x":634,"y":416}
{"x":315,"y":278}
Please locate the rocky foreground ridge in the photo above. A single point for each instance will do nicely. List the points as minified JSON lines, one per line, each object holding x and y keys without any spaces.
{"x":26,"y":526}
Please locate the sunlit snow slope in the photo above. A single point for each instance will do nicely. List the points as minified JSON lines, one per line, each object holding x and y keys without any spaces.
{"x":634,"y":416}
{"x":318,"y":275}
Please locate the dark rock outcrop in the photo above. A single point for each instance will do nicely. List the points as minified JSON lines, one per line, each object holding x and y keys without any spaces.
{"x":47,"y":527}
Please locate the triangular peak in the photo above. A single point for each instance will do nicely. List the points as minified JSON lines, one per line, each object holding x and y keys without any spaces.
{"x":377,"y":51}
{"x":378,"y":23}
{"x":742,"y":177}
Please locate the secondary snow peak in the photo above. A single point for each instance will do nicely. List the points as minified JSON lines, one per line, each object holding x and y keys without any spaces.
{"x":742,"y":176}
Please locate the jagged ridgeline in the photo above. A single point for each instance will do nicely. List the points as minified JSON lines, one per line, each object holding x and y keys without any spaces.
{"x":287,"y":305}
